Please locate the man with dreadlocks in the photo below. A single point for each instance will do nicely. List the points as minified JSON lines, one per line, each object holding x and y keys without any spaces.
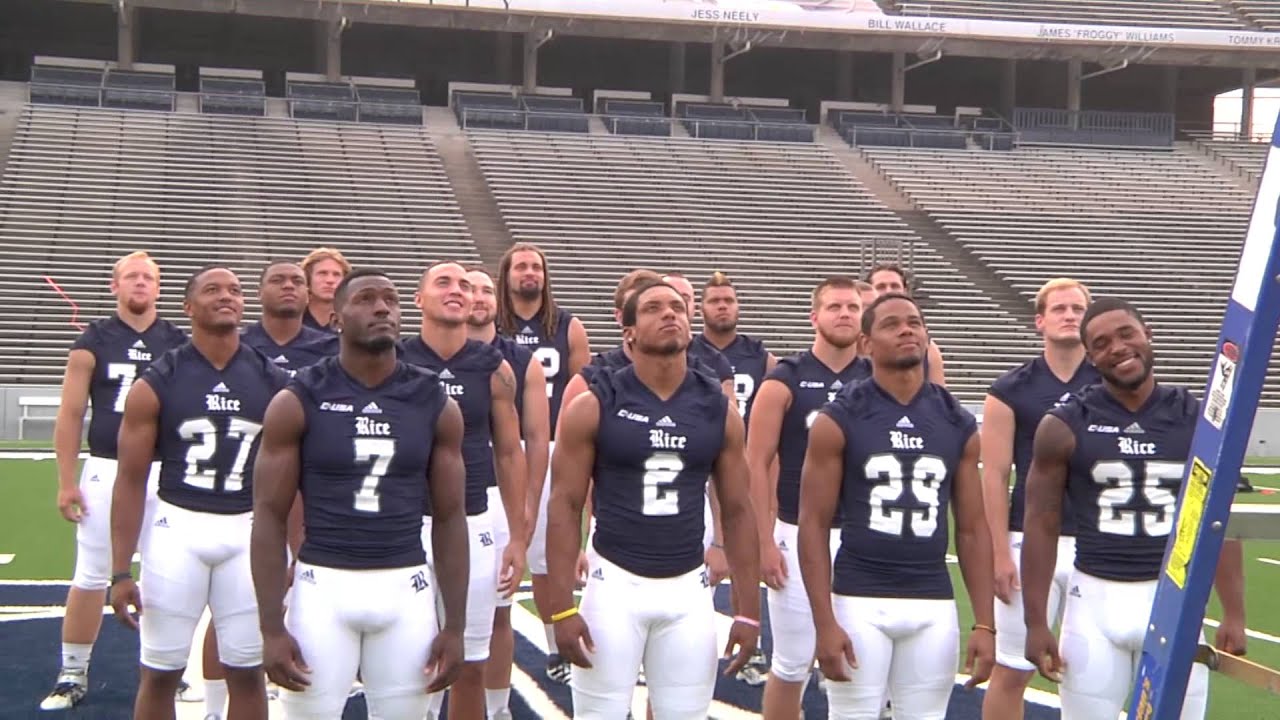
{"x":527,"y":313}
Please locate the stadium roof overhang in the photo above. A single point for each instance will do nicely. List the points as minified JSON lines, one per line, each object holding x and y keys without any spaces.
{"x":422,"y":13}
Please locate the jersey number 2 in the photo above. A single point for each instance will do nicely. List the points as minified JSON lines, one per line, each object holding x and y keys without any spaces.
{"x":660,"y":495}
{"x":204,"y":433}
{"x":927,"y":474}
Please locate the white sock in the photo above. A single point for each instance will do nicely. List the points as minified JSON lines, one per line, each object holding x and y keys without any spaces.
{"x":215,"y":697}
{"x":551,"y":639}
{"x":76,"y":657}
{"x":495,"y":701}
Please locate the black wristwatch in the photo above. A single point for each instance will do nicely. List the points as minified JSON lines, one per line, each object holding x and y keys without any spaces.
{"x":121,"y":577}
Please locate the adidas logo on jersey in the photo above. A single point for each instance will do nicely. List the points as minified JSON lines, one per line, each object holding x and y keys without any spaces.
{"x":372,"y":409}
{"x":220,"y":388}
{"x":1134,"y":429}
{"x":445,"y":374}
{"x":836,"y":385}
{"x":1075,"y":591}
{"x":1065,"y":397}
{"x":335,"y":407}
{"x":597,"y":574}
{"x":905,"y":423}
{"x":634,"y":417}
{"x":308,"y":576}
{"x":666,"y":421}
{"x":280,"y":360}
{"x":526,"y":330}
{"x":162,"y":522}
{"x":93,"y":478}
{"x":139,"y":344}
{"x":782,"y":544}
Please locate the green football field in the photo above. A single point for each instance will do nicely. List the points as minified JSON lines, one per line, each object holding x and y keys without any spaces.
{"x":36,"y":544}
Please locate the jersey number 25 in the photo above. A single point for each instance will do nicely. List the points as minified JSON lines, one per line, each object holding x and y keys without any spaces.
{"x":1158,"y":487}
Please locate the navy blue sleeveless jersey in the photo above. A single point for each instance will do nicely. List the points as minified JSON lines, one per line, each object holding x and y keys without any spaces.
{"x":1124,"y":477}
{"x":812,"y":385}
{"x":309,"y":320}
{"x":366,"y":452}
{"x":120,"y":354}
{"x":653,"y":460}
{"x":209,"y":424}
{"x":308,"y":347}
{"x":899,"y":463}
{"x":552,"y":352}
{"x":465,"y":377}
{"x":708,"y":355}
{"x":1030,"y":390}
{"x":748,"y":359}
{"x":518,"y":357}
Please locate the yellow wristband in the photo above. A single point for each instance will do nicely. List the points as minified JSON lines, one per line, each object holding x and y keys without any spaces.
{"x":980,"y":626}
{"x":564,"y":615}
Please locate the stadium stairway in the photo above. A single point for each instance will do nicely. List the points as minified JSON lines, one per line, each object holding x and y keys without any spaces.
{"x":475,"y":200}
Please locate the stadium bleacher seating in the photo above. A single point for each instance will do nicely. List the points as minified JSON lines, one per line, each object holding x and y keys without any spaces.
{"x":1245,"y":157}
{"x":1264,"y":13}
{"x":1140,"y":13}
{"x":1093,"y":127}
{"x":777,"y":217}
{"x":85,"y":186}
{"x":1121,"y":220}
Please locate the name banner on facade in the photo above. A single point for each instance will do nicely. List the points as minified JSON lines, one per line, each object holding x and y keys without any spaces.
{"x":864,"y":16}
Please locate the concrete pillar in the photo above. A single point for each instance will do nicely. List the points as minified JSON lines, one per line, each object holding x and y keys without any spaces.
{"x":1008,"y":88}
{"x":1247,"y":88}
{"x":502,"y":50}
{"x":898,"y":83}
{"x":844,"y":75}
{"x":126,"y":36}
{"x":717,"y":72}
{"x":676,"y":67}
{"x":1169,"y":90}
{"x":329,"y":49}
{"x":530,"y":81}
{"x":1075,"y":68}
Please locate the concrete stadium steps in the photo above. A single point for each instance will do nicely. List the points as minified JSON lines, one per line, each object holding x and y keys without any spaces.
{"x":1161,"y":228}
{"x":777,"y":218}
{"x":85,"y":186}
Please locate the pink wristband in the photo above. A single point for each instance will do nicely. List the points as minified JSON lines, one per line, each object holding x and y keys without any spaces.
{"x":746,"y":621}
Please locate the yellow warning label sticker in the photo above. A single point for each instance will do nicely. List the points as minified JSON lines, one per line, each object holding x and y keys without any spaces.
{"x":1190,"y":515}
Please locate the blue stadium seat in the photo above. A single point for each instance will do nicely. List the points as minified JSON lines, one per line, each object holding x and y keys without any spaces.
{"x":232,"y":96}
{"x":138,"y":90}
{"x":66,"y":86}
{"x":635,"y":117}
{"x":400,"y":106}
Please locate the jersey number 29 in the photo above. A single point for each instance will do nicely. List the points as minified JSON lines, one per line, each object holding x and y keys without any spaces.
{"x":887,"y":511}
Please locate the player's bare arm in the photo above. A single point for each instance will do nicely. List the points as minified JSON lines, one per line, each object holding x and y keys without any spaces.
{"x":446,"y":486}
{"x":997,"y":462}
{"x":136,"y":450}
{"x":741,"y":544}
{"x":68,"y":429}
{"x":536,"y":426}
{"x":771,"y":403}
{"x":576,"y":386}
{"x":820,"y":483}
{"x":1046,"y":484}
{"x":571,"y":465}
{"x":973,"y":548}
{"x":579,"y":349}
{"x":937,"y":372}
{"x":509,"y":462}
{"x":277,"y":472}
{"x":1228,"y":581}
